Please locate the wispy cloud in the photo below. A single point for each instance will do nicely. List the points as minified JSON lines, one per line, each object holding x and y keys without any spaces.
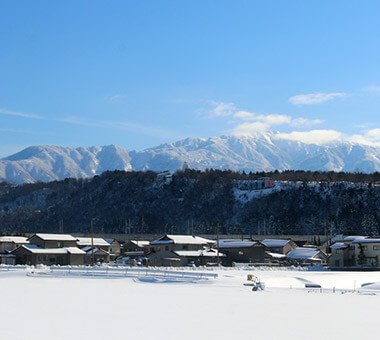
{"x":144,"y":129}
{"x":315,"y":98}
{"x":218,"y":109}
{"x":373,"y":89}
{"x":19,"y":114}
{"x":116,"y":98}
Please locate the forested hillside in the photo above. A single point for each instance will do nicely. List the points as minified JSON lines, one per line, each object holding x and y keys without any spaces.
{"x":195,"y":201}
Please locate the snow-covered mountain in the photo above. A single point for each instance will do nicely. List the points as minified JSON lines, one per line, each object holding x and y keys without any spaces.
{"x":264,"y":152}
{"x":48,"y":163}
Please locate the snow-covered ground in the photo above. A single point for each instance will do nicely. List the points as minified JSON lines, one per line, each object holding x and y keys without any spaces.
{"x":41,"y":307}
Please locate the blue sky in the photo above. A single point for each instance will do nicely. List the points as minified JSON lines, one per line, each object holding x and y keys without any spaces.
{"x":140,"y":73}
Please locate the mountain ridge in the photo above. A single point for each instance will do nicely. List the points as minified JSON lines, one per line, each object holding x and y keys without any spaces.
{"x":263,"y":152}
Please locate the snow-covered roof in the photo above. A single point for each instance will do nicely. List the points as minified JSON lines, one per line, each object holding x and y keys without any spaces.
{"x":353,"y":238}
{"x":235,"y":243}
{"x":275,"y":255}
{"x":55,"y":251}
{"x":271,"y":243}
{"x":14,"y":239}
{"x":74,"y":250}
{"x":182,"y":239}
{"x":198,"y":253}
{"x":97,"y":251}
{"x":339,"y":245}
{"x":367,"y":240}
{"x":56,"y":237}
{"x":86,"y":241}
{"x":301,"y":253}
{"x":140,"y":243}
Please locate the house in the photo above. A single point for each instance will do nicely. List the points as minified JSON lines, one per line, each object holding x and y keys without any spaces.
{"x":134,"y":249}
{"x":367,"y":252}
{"x":83,"y":242}
{"x":241,"y":251}
{"x":95,"y":255}
{"x":8,"y":243}
{"x":306,"y":255}
{"x":32,"y":254}
{"x":342,"y":255}
{"x":161,"y":251}
{"x":279,"y":246}
{"x":115,"y":248}
{"x":134,"y":245}
{"x":53,"y":240}
{"x":202,"y":257}
{"x":8,"y":259}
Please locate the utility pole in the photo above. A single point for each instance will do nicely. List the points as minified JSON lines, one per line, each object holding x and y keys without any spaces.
{"x":217,"y":242}
{"x":92,"y":242}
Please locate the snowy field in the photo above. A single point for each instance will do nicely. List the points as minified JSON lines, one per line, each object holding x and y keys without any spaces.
{"x":41,"y":307}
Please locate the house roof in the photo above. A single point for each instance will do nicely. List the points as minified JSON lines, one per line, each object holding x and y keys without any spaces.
{"x":140,"y":243}
{"x":55,"y":251}
{"x":182,"y":239}
{"x":339,"y":245}
{"x":74,"y":250}
{"x":353,"y":238}
{"x":55,"y":237}
{"x":275,"y":242}
{"x":235,"y":243}
{"x":367,"y":240}
{"x":198,"y":253}
{"x":111,"y":240}
{"x":97,"y":251}
{"x":14,"y":239}
{"x":303,"y":253}
{"x":86,"y":241}
{"x":275,"y":255}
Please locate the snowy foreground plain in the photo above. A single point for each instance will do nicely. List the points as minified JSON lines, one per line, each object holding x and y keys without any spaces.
{"x":41,"y":307}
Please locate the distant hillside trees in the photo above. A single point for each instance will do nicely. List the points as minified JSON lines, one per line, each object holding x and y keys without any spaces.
{"x":192,"y":201}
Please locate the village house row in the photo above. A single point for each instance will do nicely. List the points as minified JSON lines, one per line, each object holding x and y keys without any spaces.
{"x":350,"y":252}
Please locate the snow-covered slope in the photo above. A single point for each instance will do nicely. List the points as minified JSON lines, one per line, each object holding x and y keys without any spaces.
{"x":264,"y":152}
{"x":261,"y":153}
{"x":48,"y":163}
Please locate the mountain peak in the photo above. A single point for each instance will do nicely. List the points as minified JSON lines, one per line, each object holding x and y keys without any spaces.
{"x":262,"y":152}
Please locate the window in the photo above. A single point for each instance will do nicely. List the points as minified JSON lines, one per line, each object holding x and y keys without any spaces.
{"x":185,"y":247}
{"x":376,"y":247}
{"x":167,"y":248}
{"x":337,"y":263}
{"x":338,"y":251}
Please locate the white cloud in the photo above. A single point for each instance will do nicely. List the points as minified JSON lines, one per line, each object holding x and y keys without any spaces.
{"x":245,"y":115}
{"x":304,"y":122}
{"x":19,"y":114}
{"x":254,"y":122}
{"x":219,"y":109}
{"x":313,"y":136}
{"x":249,"y":129}
{"x":370,"y":137}
{"x":116,"y":98}
{"x":315,"y":98}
